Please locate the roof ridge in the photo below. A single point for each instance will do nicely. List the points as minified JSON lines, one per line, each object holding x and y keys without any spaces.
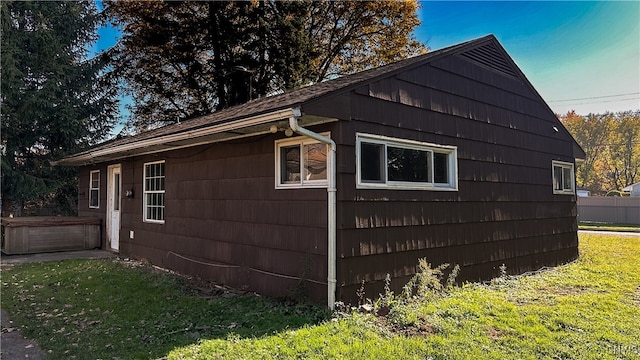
{"x":411,"y":59}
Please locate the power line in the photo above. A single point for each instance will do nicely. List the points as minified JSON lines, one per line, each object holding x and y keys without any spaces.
{"x":606,"y":101}
{"x":597,"y":97}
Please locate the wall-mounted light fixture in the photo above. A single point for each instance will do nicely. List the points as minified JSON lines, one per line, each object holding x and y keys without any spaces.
{"x":129,"y":194}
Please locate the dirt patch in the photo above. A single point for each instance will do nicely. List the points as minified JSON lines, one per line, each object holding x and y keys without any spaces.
{"x":494,"y":333}
{"x":571,"y":290}
{"x":416,"y":329}
{"x":195,"y":285}
{"x":208,"y":289}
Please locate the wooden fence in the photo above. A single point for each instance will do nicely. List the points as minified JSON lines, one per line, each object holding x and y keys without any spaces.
{"x":613,"y":209}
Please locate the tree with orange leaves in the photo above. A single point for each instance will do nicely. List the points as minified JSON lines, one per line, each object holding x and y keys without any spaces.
{"x":611,"y":142}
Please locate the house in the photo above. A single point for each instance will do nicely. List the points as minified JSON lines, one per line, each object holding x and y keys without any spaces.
{"x":582,"y":192}
{"x":451,"y":155}
{"x":633,"y":189}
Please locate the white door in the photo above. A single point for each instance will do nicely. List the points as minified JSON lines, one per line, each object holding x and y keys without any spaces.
{"x":114,"y":186}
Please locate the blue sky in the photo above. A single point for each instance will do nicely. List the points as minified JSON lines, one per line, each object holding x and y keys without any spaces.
{"x":582,"y":56}
{"x":588,"y":51}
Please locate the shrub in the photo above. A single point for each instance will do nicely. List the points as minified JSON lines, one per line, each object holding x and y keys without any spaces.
{"x":428,"y":283}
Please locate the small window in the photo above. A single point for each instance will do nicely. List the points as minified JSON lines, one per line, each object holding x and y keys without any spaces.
{"x":384,"y":162}
{"x":153,"y":197}
{"x":301,"y":162}
{"x":94,"y":189}
{"x":563,"y":178}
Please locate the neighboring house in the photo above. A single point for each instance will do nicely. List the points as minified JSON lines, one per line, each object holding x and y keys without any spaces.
{"x":451,"y":155}
{"x":583,"y":192}
{"x":633,"y":189}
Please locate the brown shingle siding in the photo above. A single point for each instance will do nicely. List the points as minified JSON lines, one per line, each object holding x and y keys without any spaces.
{"x":226,"y":221}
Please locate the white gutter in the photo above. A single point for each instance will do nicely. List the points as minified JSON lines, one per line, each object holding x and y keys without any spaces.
{"x":331,"y":204}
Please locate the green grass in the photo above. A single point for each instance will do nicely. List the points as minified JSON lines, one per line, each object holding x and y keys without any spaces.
{"x":609,"y":227}
{"x":111,"y":309}
{"x":586,"y":310}
{"x":589,"y":309}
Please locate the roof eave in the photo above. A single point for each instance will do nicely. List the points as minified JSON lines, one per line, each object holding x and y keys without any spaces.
{"x":250,"y":126}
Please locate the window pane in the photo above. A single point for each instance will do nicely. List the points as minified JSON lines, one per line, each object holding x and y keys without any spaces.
{"x":315,"y":162}
{"x":371,"y":156}
{"x":290,"y":164}
{"x":95,"y":179}
{"x":93,"y":198}
{"x":557,"y":178}
{"x":407,"y":165}
{"x":440,"y":168}
{"x":567,"y":179}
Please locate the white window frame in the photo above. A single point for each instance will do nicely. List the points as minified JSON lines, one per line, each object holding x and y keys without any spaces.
{"x":145,"y":192}
{"x":564,"y":166}
{"x":91,"y":188}
{"x":300,"y":141}
{"x":450,"y":151}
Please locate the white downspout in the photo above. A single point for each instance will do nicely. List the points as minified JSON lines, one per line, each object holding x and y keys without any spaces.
{"x":331,"y":204}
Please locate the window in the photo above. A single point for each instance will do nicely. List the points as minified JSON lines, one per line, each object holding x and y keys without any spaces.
{"x":384,"y":162}
{"x":94,"y":189}
{"x":153,"y":197}
{"x":301,"y":162}
{"x":563,"y":178}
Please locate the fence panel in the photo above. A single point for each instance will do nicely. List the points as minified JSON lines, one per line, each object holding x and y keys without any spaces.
{"x":609,"y":209}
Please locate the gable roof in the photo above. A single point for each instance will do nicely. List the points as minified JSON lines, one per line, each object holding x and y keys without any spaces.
{"x":251,"y":115}
{"x":631,"y":187}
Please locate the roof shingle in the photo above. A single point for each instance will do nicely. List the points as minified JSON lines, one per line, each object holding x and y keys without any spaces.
{"x":281,"y":101}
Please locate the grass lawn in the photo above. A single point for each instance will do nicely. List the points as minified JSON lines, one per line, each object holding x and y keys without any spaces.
{"x":608,"y":227}
{"x":110,"y":309}
{"x":589,"y":309}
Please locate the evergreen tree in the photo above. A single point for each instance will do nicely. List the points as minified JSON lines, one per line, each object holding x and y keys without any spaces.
{"x":55,"y":101}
